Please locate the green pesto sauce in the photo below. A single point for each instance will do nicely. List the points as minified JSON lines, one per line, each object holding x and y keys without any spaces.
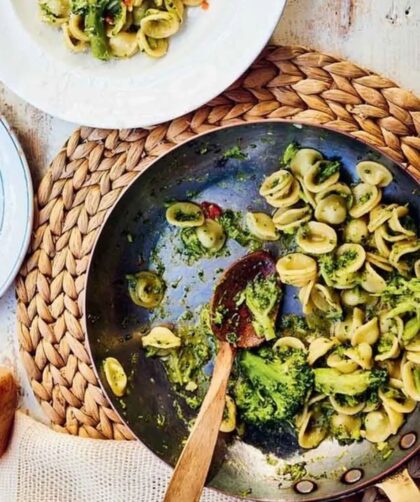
{"x":326,"y":169}
{"x":185,"y":364}
{"x":365,"y":198}
{"x":294,"y":472}
{"x":232,"y":224}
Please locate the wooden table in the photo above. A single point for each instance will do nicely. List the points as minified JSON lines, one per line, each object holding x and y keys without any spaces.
{"x":383,"y":35}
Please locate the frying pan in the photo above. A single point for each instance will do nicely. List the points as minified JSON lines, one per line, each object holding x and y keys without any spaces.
{"x":128,"y":241}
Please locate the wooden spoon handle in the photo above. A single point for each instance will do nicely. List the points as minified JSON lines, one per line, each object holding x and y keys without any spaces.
{"x":193,"y":465}
{"x":8,"y":403}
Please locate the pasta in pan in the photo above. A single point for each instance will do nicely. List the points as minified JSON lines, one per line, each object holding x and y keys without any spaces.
{"x":116,"y":28}
{"x":350,"y":247}
{"x":349,"y":367}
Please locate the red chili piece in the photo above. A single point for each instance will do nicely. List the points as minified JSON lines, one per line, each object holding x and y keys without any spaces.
{"x":211,"y":210}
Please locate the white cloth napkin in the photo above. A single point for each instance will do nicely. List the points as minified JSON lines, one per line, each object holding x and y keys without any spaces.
{"x":41,"y":465}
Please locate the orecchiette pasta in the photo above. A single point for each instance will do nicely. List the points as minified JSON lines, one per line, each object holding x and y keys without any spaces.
{"x":400,"y":249}
{"x":285,"y":198}
{"x":373,"y":173}
{"x":371,"y":281}
{"x":316,"y":238}
{"x":362,"y":354}
{"x":304,"y":159}
{"x":311,"y":433}
{"x":341,"y":363}
{"x":366,"y":197}
{"x":211,"y":235}
{"x":296,"y":269}
{"x":410,"y":374}
{"x":261,"y":225}
{"x":318,"y":348}
{"x":356,"y":231}
{"x":185,"y":214}
{"x":379,"y":261}
{"x":379,"y":215}
{"x":278,"y":183}
{"x":366,"y":333}
{"x":161,"y":337}
{"x":287,"y":219}
{"x":345,"y":409}
{"x":394,"y":398}
{"x":377,"y":426}
{"x":332,"y":209}
{"x":321,"y":175}
{"x":289,"y":341}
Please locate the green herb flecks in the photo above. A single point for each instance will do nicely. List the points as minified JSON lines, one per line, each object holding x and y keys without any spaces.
{"x":235,"y":152}
{"x":326,"y":169}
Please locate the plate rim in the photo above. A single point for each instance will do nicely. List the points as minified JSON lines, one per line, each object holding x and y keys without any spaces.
{"x":71,"y":110}
{"x":352,"y":489}
{"x":13,"y":272}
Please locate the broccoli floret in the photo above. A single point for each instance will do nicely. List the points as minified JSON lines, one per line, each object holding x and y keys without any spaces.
{"x":330,"y":381}
{"x":273,"y":388}
{"x":261,"y":297}
{"x":289,"y":154}
{"x":79,"y":6}
{"x":399,"y":290}
{"x":404,"y":297}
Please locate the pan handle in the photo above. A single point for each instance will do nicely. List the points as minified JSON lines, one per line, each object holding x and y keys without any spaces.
{"x":400,"y":487}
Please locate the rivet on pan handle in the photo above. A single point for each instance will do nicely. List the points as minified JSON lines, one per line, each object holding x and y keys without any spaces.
{"x":400,"y":488}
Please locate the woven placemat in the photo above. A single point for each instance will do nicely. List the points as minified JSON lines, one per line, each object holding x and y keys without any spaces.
{"x":88,"y":174}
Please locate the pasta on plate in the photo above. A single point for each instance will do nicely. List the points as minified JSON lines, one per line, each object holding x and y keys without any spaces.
{"x":116,"y":28}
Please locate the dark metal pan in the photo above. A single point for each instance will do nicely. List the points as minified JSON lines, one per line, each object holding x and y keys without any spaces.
{"x":197,"y":167}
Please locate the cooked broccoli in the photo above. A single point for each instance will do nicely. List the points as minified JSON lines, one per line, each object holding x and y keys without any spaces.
{"x":289,"y":154}
{"x":261,"y":297}
{"x":272,"y":387}
{"x":404,"y":297}
{"x":79,"y":6}
{"x":400,"y":290}
{"x":330,"y":381}
{"x":94,"y":12}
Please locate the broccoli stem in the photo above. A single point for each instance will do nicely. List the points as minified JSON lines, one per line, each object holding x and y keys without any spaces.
{"x":95,"y":28}
{"x":264,"y":327}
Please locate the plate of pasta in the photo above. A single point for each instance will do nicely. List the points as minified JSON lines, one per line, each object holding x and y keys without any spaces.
{"x":328,"y":403}
{"x":129,"y":63}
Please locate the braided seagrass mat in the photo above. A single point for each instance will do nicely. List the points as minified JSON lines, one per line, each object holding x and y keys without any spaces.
{"x":89,"y":173}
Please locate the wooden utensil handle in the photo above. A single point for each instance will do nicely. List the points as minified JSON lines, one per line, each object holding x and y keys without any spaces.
{"x":193,"y":465}
{"x":400,"y":488}
{"x":8,"y":403}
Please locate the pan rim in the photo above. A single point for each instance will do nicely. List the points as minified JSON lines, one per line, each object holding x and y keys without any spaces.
{"x":357,"y":488}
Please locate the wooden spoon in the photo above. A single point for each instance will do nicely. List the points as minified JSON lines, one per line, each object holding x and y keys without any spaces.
{"x":193,"y":465}
{"x":8,"y":403}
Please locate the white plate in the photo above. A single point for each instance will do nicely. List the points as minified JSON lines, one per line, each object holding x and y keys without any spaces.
{"x":16,"y":206}
{"x":213,"y":48}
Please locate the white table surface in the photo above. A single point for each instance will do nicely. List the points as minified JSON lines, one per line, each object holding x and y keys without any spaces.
{"x":382,"y":35}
